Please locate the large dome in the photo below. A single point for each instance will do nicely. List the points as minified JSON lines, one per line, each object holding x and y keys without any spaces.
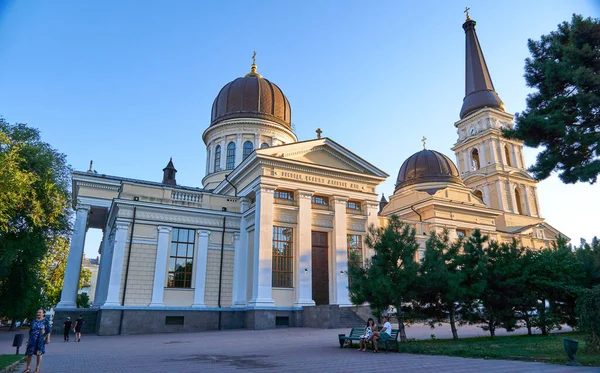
{"x":427,"y":166}
{"x":252,"y":97}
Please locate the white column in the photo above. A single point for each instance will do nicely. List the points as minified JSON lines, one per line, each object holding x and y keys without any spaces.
{"x":466,"y":159}
{"x":486,"y":195}
{"x":483,"y":161}
{"x":511,"y":192}
{"x":372,"y":209}
{"x":240,"y":259}
{"x":514,"y":154}
{"x":223,"y":154}
{"x":256,"y":141}
{"x":104,"y":268}
{"x":493,"y":150}
{"x":522,"y":156}
{"x":525,"y":194}
{"x":340,"y":247}
{"x":68,"y":297}
{"x":200,"y":280}
{"x":211,"y":160}
{"x":116,"y":268}
{"x":263,"y":249}
{"x":160,"y":267}
{"x":304,"y":251}
{"x":239,"y":151}
{"x":499,"y":186}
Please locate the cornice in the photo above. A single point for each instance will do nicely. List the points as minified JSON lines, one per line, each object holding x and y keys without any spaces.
{"x":160,"y":215}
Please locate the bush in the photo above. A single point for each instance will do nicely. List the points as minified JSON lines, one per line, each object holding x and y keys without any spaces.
{"x":588,"y":311}
{"x":83,"y":300}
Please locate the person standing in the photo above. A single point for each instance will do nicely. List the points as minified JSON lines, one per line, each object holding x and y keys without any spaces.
{"x":39,"y":336}
{"x":77,"y":329}
{"x":67,"y":325}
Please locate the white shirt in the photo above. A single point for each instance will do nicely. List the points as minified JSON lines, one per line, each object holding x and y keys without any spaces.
{"x":388,"y":328}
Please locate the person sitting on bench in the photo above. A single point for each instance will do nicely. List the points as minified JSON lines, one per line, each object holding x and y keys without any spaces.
{"x":383,"y":335}
{"x":365,"y":337}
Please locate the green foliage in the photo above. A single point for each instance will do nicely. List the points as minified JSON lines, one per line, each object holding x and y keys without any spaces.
{"x":563,"y":115}
{"x":390,"y":276}
{"x":83,"y":300}
{"x":34,"y":210}
{"x":589,"y":255}
{"x":588,"y":313}
{"x":441,"y":280}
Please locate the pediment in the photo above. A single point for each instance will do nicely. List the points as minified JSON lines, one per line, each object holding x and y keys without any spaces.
{"x":323,"y":153}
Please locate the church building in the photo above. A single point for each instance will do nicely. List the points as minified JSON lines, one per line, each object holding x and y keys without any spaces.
{"x":266,"y":240}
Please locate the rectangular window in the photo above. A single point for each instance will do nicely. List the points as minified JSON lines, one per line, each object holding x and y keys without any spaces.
{"x":355,"y":254}
{"x":320,"y":200}
{"x":461,"y":232}
{"x":353,"y":205}
{"x":283,"y":257}
{"x":284,"y":194}
{"x":181,"y":258}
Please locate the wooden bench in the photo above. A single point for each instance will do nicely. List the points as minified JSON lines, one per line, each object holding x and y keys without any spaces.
{"x":355,"y":334}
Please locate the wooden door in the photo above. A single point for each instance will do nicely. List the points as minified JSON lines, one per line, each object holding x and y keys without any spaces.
{"x":320,"y":268}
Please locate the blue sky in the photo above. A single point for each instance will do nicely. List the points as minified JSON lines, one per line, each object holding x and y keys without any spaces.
{"x":131,"y":83}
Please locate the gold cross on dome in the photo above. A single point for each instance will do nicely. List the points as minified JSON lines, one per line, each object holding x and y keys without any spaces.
{"x":467,"y":12}
{"x":319,"y":132}
{"x":254,"y":58}
{"x":424,"y":139}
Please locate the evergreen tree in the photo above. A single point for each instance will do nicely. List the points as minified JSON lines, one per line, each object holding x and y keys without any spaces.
{"x":390,"y":276}
{"x":589,"y":255}
{"x":563,"y":115}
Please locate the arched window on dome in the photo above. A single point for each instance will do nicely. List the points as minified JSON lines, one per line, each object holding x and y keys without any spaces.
{"x":507,"y":155}
{"x":475,"y":165}
{"x":479,"y":194}
{"x":248,"y":148}
{"x":230,"y":160}
{"x":519,"y":201}
{"x":264,"y":145}
{"x":217,"y":164}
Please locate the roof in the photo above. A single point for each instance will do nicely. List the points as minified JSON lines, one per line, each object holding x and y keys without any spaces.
{"x":137,"y":181}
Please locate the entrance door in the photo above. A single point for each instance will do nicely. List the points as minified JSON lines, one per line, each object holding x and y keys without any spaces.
{"x":320,"y":268}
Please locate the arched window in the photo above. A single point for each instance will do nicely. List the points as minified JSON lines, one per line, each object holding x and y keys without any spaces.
{"x":264,"y":145}
{"x":478,"y":194}
{"x":217,"y":165}
{"x":518,"y":200}
{"x":248,"y":148}
{"x":507,"y":155}
{"x":475,"y":159}
{"x":230,"y":160}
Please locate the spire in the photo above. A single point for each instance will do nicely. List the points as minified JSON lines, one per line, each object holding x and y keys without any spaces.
{"x":479,"y":89}
{"x":169,"y":173}
{"x":382,"y":202}
{"x":253,"y":67}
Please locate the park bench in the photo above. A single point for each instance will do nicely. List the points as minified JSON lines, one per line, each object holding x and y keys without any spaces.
{"x":355,"y":334}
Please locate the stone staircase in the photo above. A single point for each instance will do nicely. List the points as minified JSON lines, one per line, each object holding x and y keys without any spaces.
{"x":349,"y":318}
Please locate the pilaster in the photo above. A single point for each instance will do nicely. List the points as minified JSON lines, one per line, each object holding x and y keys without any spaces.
{"x":239,"y":151}
{"x":372,"y":208}
{"x":223,"y":155}
{"x":513,"y":198}
{"x":240,"y":260}
{"x":68,"y":297}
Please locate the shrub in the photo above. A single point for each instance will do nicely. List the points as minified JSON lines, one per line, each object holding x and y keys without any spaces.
{"x":588,"y":311}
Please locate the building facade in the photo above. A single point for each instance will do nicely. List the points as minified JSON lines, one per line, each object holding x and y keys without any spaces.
{"x":266,"y":241}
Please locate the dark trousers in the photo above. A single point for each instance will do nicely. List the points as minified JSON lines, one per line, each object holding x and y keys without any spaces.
{"x":66,"y":334}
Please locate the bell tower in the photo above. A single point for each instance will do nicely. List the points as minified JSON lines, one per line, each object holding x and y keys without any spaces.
{"x":492,"y":165}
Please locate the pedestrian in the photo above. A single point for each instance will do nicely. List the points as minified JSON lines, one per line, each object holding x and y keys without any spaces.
{"x":39,"y":336}
{"x":67,"y":325}
{"x":77,"y":329}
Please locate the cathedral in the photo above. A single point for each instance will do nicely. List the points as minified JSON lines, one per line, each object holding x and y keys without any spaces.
{"x":265,"y":242}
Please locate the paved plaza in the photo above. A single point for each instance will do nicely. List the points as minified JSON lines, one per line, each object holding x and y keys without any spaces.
{"x":278,"y":350}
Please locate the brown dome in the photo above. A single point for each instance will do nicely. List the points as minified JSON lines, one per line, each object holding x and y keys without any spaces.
{"x":252,"y":97}
{"x":427,"y":166}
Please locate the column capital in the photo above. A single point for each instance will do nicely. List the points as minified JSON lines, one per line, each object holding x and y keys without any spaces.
{"x":264,"y":188}
{"x":304,"y":194}
{"x":339,"y":200}
{"x":82,"y":207}
{"x":122,"y":225}
{"x":163,"y":229}
{"x":203,"y":233}
{"x":236,"y":236}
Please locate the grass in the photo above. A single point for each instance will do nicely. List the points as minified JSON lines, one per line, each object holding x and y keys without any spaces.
{"x":6,"y":360}
{"x":546,"y":349}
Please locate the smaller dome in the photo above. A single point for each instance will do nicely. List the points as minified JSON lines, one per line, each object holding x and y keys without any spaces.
{"x":427,"y":166}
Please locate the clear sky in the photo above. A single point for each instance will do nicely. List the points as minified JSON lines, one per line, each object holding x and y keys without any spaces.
{"x":131,"y":83}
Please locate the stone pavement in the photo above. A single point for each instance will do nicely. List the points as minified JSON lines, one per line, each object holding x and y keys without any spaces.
{"x":278,"y":350}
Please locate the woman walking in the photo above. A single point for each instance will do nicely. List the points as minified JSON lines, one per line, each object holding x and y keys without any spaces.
{"x":39,"y":336}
